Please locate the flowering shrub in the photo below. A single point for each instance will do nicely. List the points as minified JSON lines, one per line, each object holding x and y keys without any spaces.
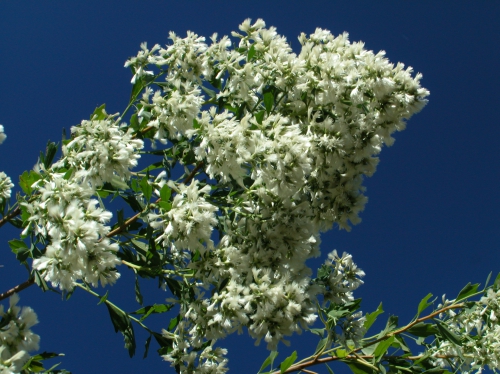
{"x":265,"y":148}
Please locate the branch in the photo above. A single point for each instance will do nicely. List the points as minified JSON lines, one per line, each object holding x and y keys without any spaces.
{"x":353,"y":354}
{"x":9,"y":216}
{"x":18,"y":288}
{"x":114,"y":232}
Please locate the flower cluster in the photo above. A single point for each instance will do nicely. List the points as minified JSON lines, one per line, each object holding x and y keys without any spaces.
{"x":189,"y":222}
{"x":16,"y":337}
{"x":100,"y":151}
{"x":297,"y":133}
{"x":5,"y":187}
{"x":64,"y":213}
{"x":5,"y":181}
{"x":479,"y":324}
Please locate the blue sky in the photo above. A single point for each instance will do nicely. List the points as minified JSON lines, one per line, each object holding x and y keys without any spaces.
{"x":431,"y":223}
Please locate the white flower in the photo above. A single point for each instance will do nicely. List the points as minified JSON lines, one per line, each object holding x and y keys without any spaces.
{"x":16,"y":335}
{"x":75,"y":227}
{"x":101,"y":151}
{"x":5,"y":187}
{"x":189,"y":223}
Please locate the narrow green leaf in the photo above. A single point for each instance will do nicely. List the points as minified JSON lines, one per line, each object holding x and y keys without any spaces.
{"x":372,"y":317}
{"x":174,"y":322}
{"x":209,"y":92}
{"x":330,"y":371}
{"x":146,"y":188}
{"x":134,"y":122}
{"x":17,"y":244}
{"x":448,"y":334}
{"x":251,"y":53}
{"x":424,"y":304}
{"x":50,"y":152}
{"x":268,"y":101}
{"x":321,"y":345}
{"x":468,"y":290}
{"x":138,"y":294}
{"x":269,"y":361}
{"x":259,"y":116}
{"x":287,"y":362}
{"x":146,"y":346}
{"x":40,"y":282}
{"x":103,"y":298}
{"x":382,"y":348}
{"x":423,"y":329}
{"x":118,"y":318}
{"x":392,"y":324}
{"x":358,"y":368}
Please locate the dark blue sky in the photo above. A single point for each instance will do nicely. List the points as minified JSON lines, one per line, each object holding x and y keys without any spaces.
{"x":431,"y":223}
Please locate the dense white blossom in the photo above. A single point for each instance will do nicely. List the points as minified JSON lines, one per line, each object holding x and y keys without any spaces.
{"x":189,"y":223}
{"x":479,"y":325}
{"x":78,"y":249}
{"x":297,"y":132}
{"x":100,"y":151}
{"x":5,"y":187}
{"x":16,"y":337}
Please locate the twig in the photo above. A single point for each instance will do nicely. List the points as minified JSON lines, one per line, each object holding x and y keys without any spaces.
{"x":9,"y":216}
{"x":353,"y":354}
{"x":18,"y":288}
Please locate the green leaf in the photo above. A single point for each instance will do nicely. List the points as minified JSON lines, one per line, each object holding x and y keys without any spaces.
{"x":392,"y":324}
{"x":259,"y":116}
{"x":448,"y":334}
{"x":146,"y":188}
{"x":382,"y":348}
{"x":138,"y":294}
{"x":118,"y":183}
{"x":27,"y":179}
{"x":358,"y":368}
{"x":174,"y":322}
{"x":134,"y":122}
{"x":165,"y":193}
{"x":121,"y":322}
{"x":153,"y":309}
{"x":269,"y":361}
{"x":330,"y":371}
{"x":99,"y":113}
{"x":423,"y":329}
{"x":40,"y":282}
{"x":136,"y":89}
{"x":146,"y":347}
{"x":467,"y":291}
{"x":372,"y":317}
{"x":20,"y":249}
{"x":118,"y":318}
{"x":251,"y":53}
{"x":268,"y":101}
{"x":423,"y":304}
{"x":103,"y":298}
{"x":209,"y":92}
{"x":321,"y":345}
{"x":174,"y":287}
{"x":287,"y":362}
{"x":50,"y":152}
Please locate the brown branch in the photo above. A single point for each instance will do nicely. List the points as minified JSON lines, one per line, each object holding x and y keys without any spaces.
{"x":353,"y":354}
{"x":9,"y":216}
{"x":18,"y":288}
